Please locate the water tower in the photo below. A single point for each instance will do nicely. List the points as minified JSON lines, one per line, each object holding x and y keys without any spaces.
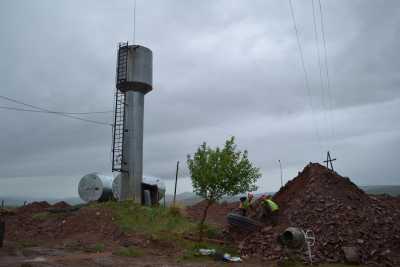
{"x":134,"y":79}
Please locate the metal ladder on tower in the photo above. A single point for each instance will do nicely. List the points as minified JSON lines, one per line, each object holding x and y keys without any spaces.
{"x":119,"y":109}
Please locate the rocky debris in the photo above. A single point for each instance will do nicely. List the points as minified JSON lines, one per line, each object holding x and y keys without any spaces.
{"x":340,"y":215}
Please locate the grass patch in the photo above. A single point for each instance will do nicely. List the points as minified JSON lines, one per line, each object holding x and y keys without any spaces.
{"x":95,"y":248}
{"x":26,"y":244}
{"x":99,"y":247}
{"x":164,"y":224}
{"x":46,"y":215}
{"x":129,"y":252}
{"x":41,"y":215}
{"x":154,"y":221}
{"x":211,"y":231}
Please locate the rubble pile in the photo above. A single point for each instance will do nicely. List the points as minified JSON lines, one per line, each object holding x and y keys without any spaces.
{"x":348,"y":224}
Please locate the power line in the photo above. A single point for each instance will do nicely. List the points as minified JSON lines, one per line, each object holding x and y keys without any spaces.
{"x":306,"y":80}
{"x":321,"y":79}
{"x":44,"y":110}
{"x":56,"y":112}
{"x":327,"y":68}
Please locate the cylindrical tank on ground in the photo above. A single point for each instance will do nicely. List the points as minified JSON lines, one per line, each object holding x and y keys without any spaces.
{"x":95,"y":187}
{"x":153,"y":181}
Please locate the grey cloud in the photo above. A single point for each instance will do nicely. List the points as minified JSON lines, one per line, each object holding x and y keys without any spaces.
{"x":221,"y":68}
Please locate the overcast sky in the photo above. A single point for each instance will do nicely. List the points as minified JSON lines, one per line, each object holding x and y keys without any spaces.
{"x":221,"y":68}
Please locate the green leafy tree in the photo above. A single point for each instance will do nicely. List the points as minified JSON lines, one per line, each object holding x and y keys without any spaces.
{"x":220,"y":172}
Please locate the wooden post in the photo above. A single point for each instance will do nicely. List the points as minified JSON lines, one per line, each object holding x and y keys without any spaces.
{"x":2,"y":232}
{"x":176,"y":180}
{"x":329,"y":160}
{"x":280,"y":166}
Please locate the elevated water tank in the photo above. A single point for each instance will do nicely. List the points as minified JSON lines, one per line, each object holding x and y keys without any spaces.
{"x":147,"y":181}
{"x":134,"y":68}
{"x":95,"y":187}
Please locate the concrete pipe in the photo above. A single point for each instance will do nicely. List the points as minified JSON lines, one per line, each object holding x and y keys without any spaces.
{"x":293,"y":238}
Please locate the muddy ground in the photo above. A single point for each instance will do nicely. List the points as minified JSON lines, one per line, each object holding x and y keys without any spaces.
{"x":11,"y":255}
{"x":40,"y":235}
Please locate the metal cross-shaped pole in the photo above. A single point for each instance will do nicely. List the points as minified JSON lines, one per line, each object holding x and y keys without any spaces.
{"x":329,"y":160}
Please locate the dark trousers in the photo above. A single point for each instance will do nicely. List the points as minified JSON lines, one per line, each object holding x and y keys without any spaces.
{"x":269,"y":216}
{"x":243,"y":212}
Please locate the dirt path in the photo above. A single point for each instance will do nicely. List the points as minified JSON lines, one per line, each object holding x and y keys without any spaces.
{"x":50,"y":257}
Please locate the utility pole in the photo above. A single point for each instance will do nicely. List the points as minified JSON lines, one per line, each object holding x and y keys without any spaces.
{"x":176,"y":180}
{"x":280,"y":166}
{"x":329,"y":160}
{"x":2,"y":232}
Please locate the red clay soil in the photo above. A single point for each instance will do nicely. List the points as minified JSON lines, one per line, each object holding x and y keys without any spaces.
{"x":340,"y":215}
{"x":87,"y":226}
{"x":34,"y":224}
{"x":216,"y":213}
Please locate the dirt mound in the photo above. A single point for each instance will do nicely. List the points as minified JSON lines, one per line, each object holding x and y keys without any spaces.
{"x":87,"y":226}
{"x":216,"y":213}
{"x":61,"y":205}
{"x":34,"y":207}
{"x":340,"y":215}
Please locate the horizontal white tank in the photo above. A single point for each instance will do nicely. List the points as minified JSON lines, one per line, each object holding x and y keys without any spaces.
{"x":116,"y":185}
{"x":95,"y":187}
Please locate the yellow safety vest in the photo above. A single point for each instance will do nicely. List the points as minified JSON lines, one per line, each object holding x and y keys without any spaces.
{"x":246,"y":204}
{"x":272,"y":205}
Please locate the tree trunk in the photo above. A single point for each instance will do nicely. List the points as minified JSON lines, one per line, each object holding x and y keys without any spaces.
{"x":203,"y":219}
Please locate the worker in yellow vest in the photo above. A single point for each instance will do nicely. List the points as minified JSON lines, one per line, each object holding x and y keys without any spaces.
{"x":270,"y":209}
{"x":246,"y":204}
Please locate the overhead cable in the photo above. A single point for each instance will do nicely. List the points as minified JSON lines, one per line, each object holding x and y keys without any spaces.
{"x":60,"y":112}
{"x":44,"y":110}
{"x":327,"y":68}
{"x":306,"y":80}
{"x":321,"y":78}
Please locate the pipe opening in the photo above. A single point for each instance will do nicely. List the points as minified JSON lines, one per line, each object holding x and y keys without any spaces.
{"x":287,"y":236}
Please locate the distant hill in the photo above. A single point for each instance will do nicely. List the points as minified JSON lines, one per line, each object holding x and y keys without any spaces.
{"x":393,"y":190}
{"x":190,"y":198}
{"x":18,"y":201}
